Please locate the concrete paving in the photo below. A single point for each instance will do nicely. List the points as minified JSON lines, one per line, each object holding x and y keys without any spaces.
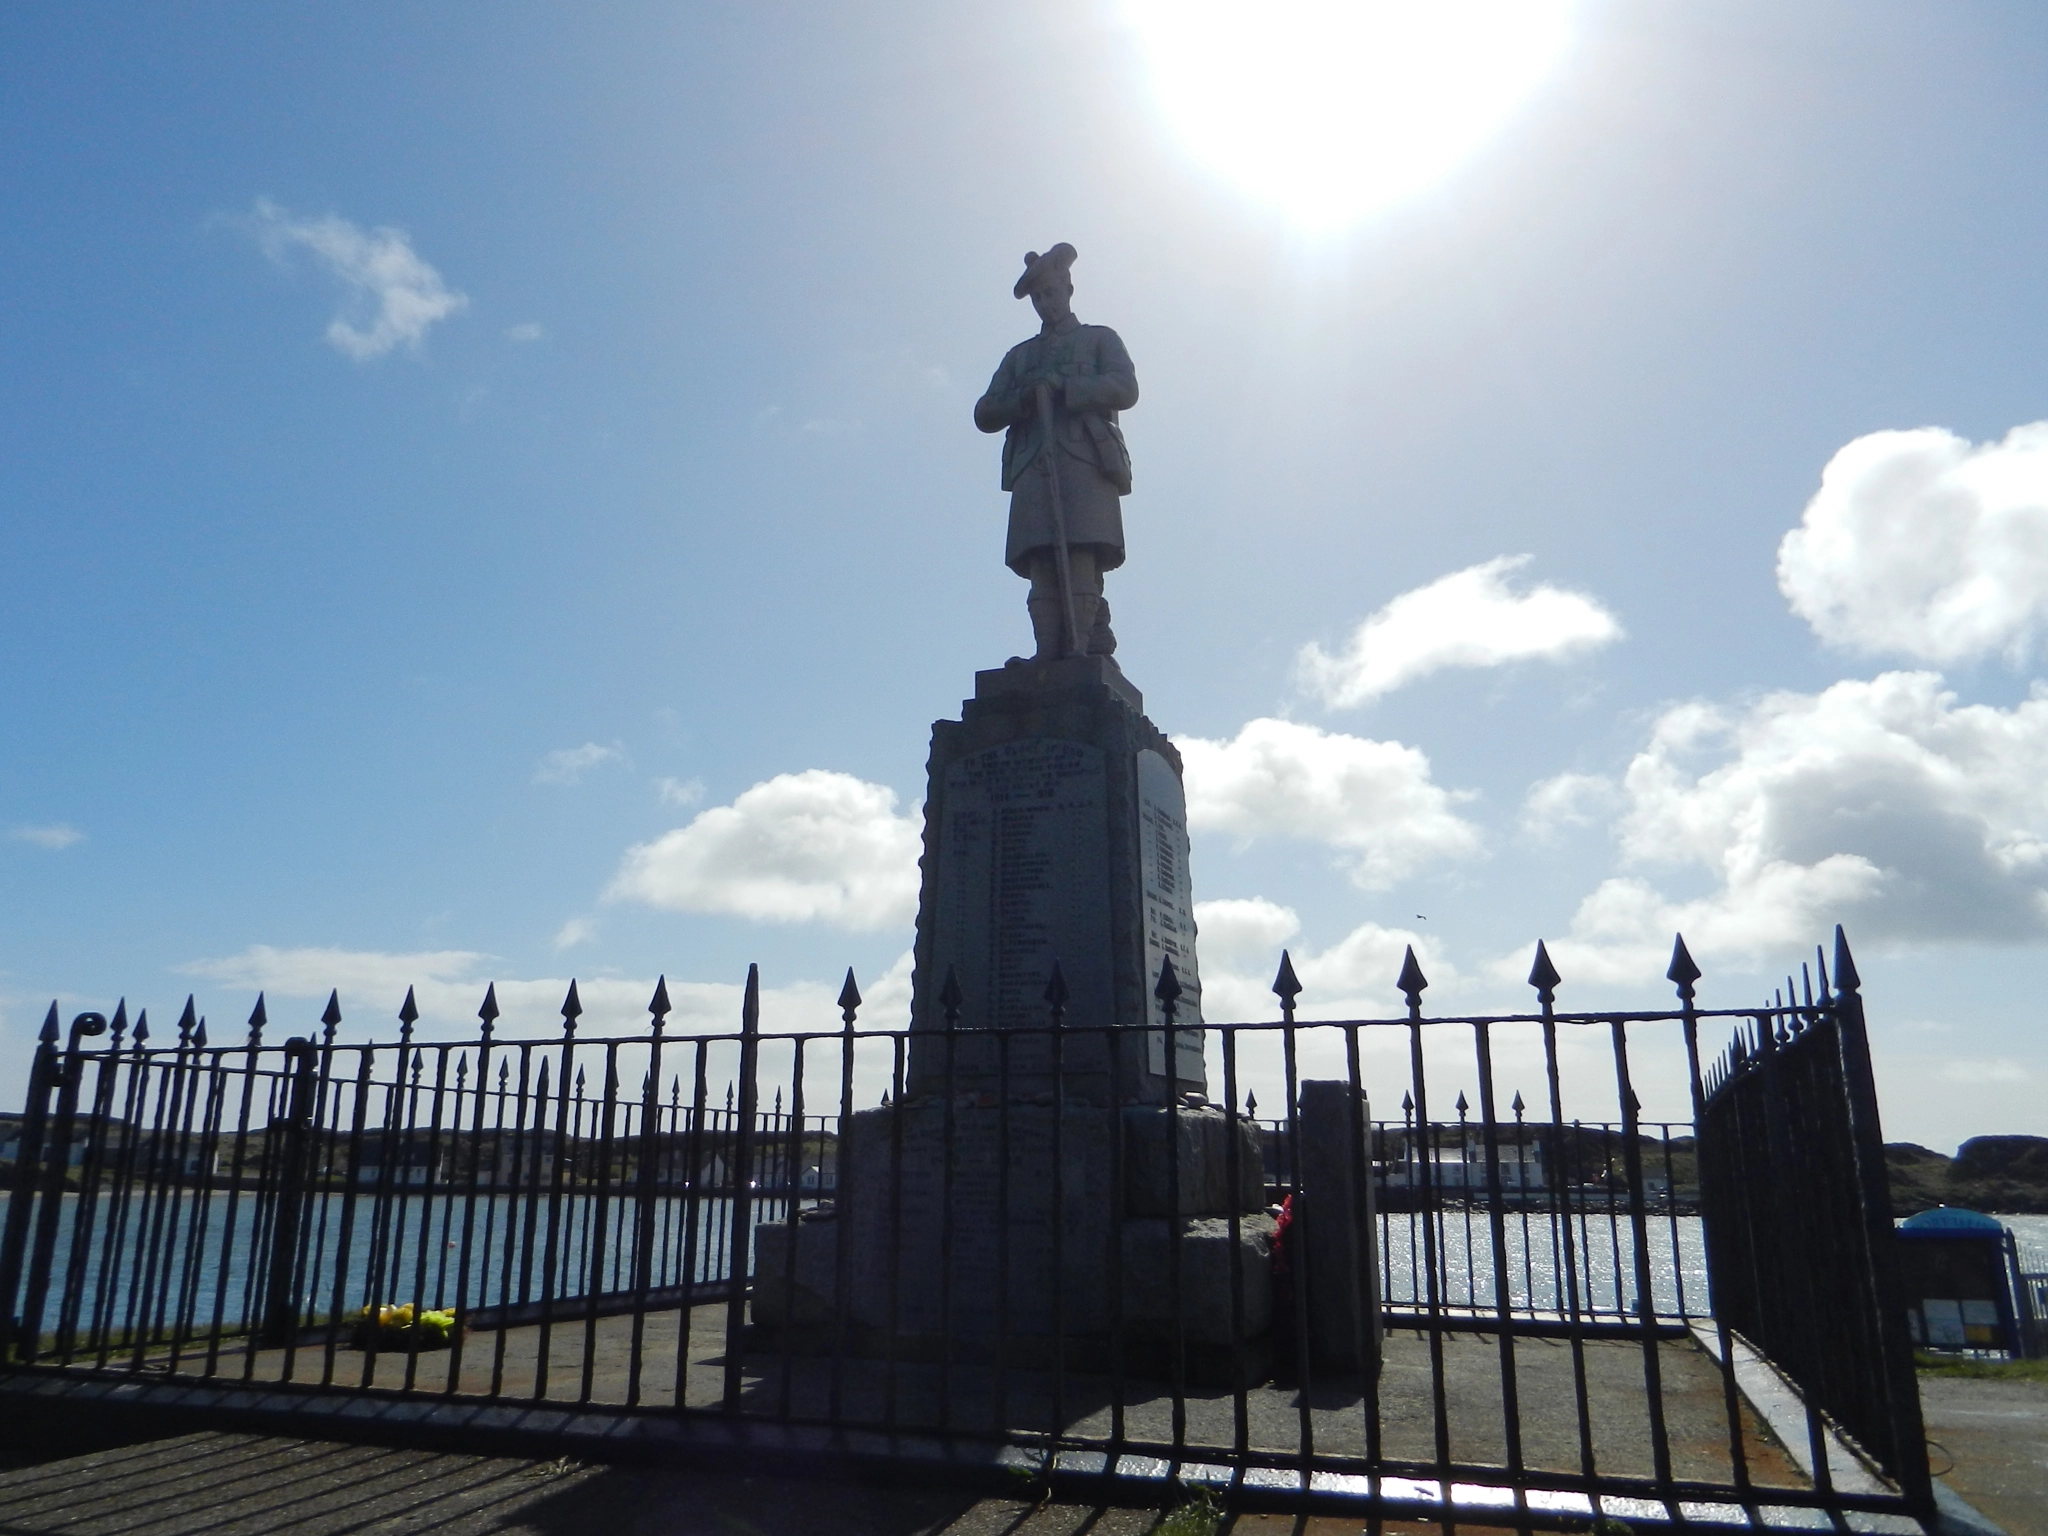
{"x":1993,"y":1436}
{"x":1617,"y":1430}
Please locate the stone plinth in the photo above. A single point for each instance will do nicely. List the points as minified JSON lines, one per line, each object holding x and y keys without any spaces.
{"x":1055,"y":829}
{"x":946,"y":1248}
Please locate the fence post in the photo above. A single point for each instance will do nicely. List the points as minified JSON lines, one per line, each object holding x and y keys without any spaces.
{"x":742,"y":1175}
{"x":27,"y":1164}
{"x":280,"y":1292}
{"x":56,"y":1158}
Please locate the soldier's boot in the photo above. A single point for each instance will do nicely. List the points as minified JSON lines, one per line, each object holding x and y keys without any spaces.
{"x":1101,"y":638}
{"x":1086,"y":606}
{"x":1048,"y":626}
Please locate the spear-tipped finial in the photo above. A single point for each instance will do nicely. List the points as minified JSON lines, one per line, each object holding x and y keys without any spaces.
{"x":1251,"y":1105}
{"x":1407,"y":1102}
{"x":951,"y":997}
{"x":258,"y":1017}
{"x":540,"y":1080}
{"x":1683,"y":972}
{"x":1056,"y":991}
{"x":408,"y":1012}
{"x":331,"y":1014}
{"x":1167,"y":989}
{"x":120,"y":1024}
{"x":1846,"y":979}
{"x":849,"y":999}
{"x":50,"y":1031}
{"x":141,"y":1028}
{"x":579,"y":1082}
{"x":1412,"y":981}
{"x":1543,"y":975}
{"x":1519,"y":1106}
{"x":419,"y":1065}
{"x":504,"y":1074}
{"x":461,"y":1072}
{"x":199,"y":1034}
{"x":1463,"y":1107}
{"x":659,"y":1005}
{"x":1286,"y":985}
{"x":572,"y":1008}
{"x":187,"y":1021}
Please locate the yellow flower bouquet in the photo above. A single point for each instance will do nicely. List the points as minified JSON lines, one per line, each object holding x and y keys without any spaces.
{"x":406,"y":1327}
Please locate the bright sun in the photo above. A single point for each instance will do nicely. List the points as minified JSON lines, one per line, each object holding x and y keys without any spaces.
{"x":1332,"y":108}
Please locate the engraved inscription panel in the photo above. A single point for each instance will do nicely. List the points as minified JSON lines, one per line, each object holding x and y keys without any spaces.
{"x":1025,"y":880}
{"x":1169,"y":898}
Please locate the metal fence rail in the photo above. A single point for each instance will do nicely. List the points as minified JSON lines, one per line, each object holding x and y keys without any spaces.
{"x":663,"y":1224}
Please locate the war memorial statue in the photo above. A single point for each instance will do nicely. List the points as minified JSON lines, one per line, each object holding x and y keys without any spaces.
{"x":1052,"y":1174}
{"x":1056,"y":395}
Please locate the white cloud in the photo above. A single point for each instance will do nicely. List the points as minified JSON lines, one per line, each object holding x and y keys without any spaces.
{"x":679,"y":791}
{"x":1470,"y":618}
{"x":1925,"y":545}
{"x":568,"y":765}
{"x":400,"y":293}
{"x":55,"y":836}
{"x":814,"y":846}
{"x":1883,"y":804}
{"x":1565,"y":801}
{"x":526,"y":330}
{"x":1995,"y":1069}
{"x":578,"y":930}
{"x":1372,"y":799}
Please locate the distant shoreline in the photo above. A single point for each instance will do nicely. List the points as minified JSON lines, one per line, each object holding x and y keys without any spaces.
{"x":2008,"y":1174}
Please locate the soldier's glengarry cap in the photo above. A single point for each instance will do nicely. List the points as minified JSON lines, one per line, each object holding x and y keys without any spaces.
{"x":1044,"y":269}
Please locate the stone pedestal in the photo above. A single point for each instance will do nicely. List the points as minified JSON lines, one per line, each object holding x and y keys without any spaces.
{"x":966,"y":1226}
{"x":1055,"y":829}
{"x":1036,"y":1183}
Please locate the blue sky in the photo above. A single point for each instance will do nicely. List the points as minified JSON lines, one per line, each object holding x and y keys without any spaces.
{"x":443,"y":452}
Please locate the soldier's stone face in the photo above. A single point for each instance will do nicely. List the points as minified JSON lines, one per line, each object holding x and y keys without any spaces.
{"x":1053,"y":301}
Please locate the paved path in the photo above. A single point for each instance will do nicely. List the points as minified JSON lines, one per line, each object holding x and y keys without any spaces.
{"x":1996,"y":1433}
{"x":1618,"y":1432}
{"x":250,"y":1485}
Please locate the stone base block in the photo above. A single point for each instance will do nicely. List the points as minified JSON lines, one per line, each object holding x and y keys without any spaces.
{"x":782,"y":1298}
{"x":1209,"y":1304}
{"x":1201,"y":1138}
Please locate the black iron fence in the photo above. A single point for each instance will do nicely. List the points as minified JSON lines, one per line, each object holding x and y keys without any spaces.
{"x":1498,"y":1303}
{"x":1799,"y":1218}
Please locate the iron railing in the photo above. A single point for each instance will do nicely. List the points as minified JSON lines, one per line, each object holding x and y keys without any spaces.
{"x":1503,"y":1307}
{"x":1799,"y":1217}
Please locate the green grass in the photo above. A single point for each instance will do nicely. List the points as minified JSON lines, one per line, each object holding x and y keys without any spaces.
{"x":1201,"y":1515}
{"x":1982,"y":1370}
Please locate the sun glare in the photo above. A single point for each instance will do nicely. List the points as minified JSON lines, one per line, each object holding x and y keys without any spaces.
{"x":1329,"y":109}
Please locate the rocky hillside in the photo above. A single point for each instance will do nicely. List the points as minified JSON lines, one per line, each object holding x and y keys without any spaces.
{"x":1988,"y":1173}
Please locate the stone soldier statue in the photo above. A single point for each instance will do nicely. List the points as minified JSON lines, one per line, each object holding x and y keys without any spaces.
{"x":1064,"y":461}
